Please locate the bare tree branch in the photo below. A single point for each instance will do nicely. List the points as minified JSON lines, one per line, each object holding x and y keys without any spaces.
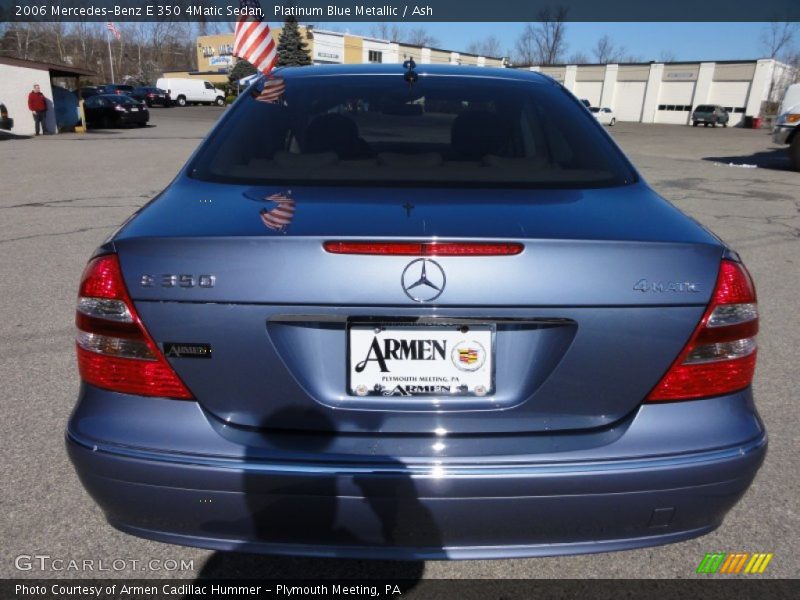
{"x":777,"y":38}
{"x":666,"y":56}
{"x":419,"y":36}
{"x":606,"y":52}
{"x":543,"y":43}
{"x":489,"y":46}
{"x":578,"y":58}
{"x":386,"y":31}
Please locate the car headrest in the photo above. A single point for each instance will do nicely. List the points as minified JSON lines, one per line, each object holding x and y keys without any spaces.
{"x":333,"y":133}
{"x":476,"y":134}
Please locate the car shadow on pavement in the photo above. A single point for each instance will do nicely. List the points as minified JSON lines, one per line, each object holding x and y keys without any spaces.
{"x":7,"y":135}
{"x":776,"y":160}
{"x":339,"y":511}
{"x":236,"y":565}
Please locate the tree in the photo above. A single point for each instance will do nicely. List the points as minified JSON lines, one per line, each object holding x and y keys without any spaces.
{"x":605,"y":52}
{"x":489,"y":46}
{"x":777,"y":37}
{"x":386,"y":31}
{"x":578,"y":58}
{"x":241,"y":69}
{"x":419,"y":36}
{"x":292,"y":48}
{"x":545,"y":42}
{"x":666,"y":56}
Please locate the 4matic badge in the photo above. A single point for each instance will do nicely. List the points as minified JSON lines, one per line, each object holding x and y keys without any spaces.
{"x":666,"y":286}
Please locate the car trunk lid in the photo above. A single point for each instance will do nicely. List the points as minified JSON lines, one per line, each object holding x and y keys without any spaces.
{"x":585,"y":320}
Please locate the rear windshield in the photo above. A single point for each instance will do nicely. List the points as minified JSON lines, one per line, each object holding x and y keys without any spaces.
{"x":705,"y":108}
{"x":441,"y":130}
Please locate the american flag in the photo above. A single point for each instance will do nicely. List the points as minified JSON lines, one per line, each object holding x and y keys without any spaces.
{"x":253,"y":41}
{"x":278,"y":218}
{"x":113,"y":29}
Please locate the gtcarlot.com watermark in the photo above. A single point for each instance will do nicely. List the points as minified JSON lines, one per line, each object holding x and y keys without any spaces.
{"x":45,"y":562}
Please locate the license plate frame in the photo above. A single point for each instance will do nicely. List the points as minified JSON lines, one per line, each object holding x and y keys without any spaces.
{"x":483,"y":333}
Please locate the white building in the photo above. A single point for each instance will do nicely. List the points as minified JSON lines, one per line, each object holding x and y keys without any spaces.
{"x":668,"y":92}
{"x":17,"y":78}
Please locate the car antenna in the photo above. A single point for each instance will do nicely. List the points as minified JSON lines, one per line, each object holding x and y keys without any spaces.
{"x":410,"y":75}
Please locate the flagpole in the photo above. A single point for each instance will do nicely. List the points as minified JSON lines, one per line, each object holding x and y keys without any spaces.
{"x":110,"y":56}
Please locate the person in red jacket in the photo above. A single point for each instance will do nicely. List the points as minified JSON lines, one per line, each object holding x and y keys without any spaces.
{"x":37,"y":104}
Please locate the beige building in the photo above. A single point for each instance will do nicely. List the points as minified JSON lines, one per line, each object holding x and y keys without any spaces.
{"x":215,"y":53}
{"x":669,"y":92}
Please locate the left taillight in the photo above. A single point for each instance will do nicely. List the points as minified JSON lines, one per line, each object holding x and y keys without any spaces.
{"x":115,"y":351}
{"x":720,"y":357}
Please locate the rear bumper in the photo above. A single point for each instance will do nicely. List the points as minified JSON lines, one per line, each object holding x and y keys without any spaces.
{"x":133,"y":118}
{"x":333,"y":504}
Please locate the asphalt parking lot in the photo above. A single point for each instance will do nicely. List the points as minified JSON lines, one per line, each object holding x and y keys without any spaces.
{"x":61,"y":196}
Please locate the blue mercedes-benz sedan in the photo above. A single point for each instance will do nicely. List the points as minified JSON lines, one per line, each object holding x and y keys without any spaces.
{"x":414,"y":312}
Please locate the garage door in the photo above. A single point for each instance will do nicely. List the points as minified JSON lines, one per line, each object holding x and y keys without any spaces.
{"x":629,"y":100}
{"x":675,"y":102}
{"x":589,"y":90}
{"x":732,"y":95}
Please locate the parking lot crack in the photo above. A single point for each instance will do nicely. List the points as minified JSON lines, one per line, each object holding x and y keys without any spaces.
{"x":67,"y":201}
{"x":56,"y":234}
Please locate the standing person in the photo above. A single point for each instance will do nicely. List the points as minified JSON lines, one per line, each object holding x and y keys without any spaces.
{"x":37,"y":104}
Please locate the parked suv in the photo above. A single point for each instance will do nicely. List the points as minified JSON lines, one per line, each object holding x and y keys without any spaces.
{"x":787,"y":125}
{"x":151,"y":96}
{"x":710,"y":114}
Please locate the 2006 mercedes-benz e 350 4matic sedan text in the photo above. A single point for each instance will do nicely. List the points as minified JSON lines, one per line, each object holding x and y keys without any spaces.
{"x":414,"y":313}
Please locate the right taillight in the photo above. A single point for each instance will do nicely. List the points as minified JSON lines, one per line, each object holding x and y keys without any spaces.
{"x":115,"y":352}
{"x":720,"y":357}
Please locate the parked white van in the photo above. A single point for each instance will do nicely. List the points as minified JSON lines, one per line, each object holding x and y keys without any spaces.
{"x":787,"y":126}
{"x":184,"y":91}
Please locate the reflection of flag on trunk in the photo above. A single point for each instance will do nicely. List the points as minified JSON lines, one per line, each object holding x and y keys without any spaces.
{"x":253,"y":40}
{"x":278,"y":218}
{"x":468,"y":355}
{"x":272,"y":92}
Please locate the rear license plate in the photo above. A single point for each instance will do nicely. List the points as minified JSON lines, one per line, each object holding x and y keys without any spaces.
{"x":134,"y":110}
{"x":421,"y":360}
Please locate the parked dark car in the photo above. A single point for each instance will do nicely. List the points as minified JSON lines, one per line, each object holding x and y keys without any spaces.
{"x":115,"y":88}
{"x":466,"y":328}
{"x":710,"y":114}
{"x":90,"y":90}
{"x":106,"y":110}
{"x":6,"y":122}
{"x":152,"y":96}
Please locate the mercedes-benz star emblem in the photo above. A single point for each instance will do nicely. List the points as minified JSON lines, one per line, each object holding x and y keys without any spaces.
{"x":423,"y":280}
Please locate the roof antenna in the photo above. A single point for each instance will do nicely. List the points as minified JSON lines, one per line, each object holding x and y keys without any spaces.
{"x":410,"y":74}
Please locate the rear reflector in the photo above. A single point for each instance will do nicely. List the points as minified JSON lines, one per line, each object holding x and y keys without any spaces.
{"x":115,"y":352}
{"x":720,"y":357}
{"x":425,"y":248}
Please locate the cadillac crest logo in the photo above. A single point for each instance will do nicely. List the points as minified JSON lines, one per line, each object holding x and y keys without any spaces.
{"x":468,"y":355}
